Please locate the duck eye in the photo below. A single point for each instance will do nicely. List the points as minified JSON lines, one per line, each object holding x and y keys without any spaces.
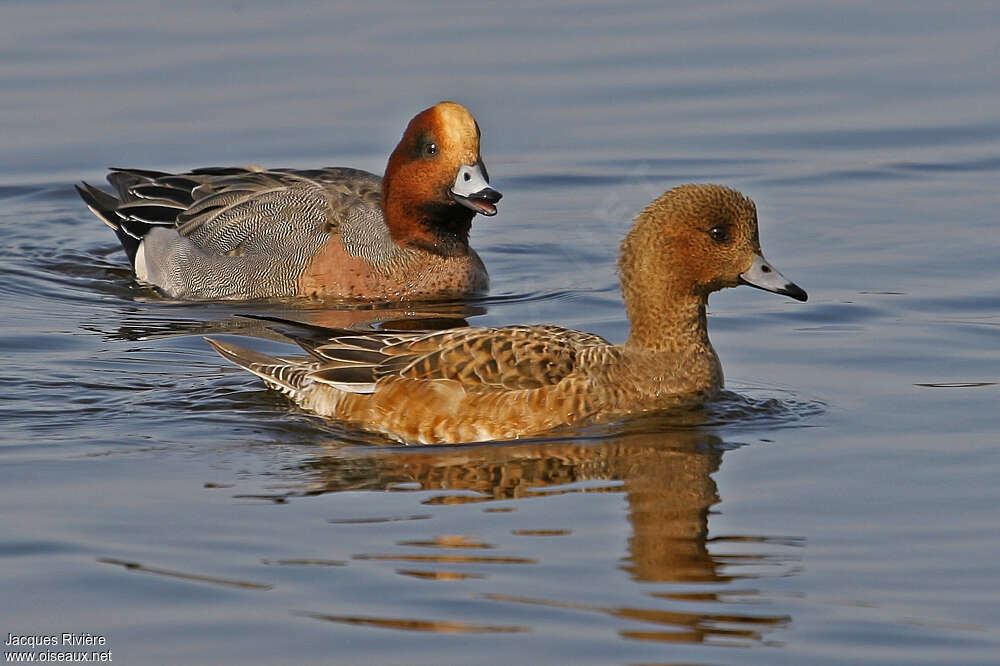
{"x":430,"y":149}
{"x":719,"y":234}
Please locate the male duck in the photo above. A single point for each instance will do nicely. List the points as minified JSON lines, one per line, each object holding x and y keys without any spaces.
{"x":250,"y":233}
{"x":477,"y":384}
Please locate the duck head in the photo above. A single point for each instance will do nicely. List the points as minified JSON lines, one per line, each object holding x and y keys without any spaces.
{"x":701,"y":238}
{"x":691,"y":241}
{"x":436,"y":181}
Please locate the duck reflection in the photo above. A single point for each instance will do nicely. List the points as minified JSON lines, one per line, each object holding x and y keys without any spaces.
{"x":666,"y":478}
{"x":231,"y":320}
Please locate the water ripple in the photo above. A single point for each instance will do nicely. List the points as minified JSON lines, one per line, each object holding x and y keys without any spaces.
{"x":434,"y":626}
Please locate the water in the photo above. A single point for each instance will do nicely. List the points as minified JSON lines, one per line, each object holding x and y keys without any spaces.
{"x":837,"y":505}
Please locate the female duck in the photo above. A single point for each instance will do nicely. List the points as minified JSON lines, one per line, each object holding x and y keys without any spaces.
{"x":476,"y":384}
{"x":249,"y":233}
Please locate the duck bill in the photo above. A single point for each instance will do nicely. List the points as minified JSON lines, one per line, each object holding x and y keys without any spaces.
{"x":763,"y":276}
{"x":472,"y":190}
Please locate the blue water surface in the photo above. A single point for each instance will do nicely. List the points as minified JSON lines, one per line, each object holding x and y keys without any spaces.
{"x":837,"y":505}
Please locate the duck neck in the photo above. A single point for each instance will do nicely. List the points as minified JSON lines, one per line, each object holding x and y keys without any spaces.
{"x":437,"y":227}
{"x":667,"y":321}
{"x":668,"y":342}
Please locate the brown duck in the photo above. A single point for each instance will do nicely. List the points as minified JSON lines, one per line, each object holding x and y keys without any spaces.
{"x":477,"y":384}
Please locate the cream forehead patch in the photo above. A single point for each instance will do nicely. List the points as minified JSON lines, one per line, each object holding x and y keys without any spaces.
{"x":456,"y":125}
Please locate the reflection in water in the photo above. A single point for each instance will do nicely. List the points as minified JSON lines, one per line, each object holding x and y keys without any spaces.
{"x":225,"y":318}
{"x":438,"y":575}
{"x":438,"y":627}
{"x":449,"y":541}
{"x":452,"y":559}
{"x":360,"y":316}
{"x":305,"y":563}
{"x":378,"y":519}
{"x":685,"y":627}
{"x":666,"y":478}
{"x":541,"y":532}
{"x":136,"y":566}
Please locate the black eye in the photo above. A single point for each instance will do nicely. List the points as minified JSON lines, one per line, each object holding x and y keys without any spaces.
{"x":719,"y":234}
{"x":430,"y":149}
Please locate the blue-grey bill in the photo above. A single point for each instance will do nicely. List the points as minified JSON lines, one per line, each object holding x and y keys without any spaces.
{"x":472,"y":189}
{"x":763,"y":276}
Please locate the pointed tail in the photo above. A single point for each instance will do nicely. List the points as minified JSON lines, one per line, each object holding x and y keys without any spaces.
{"x":105,"y":206}
{"x":286,"y":376}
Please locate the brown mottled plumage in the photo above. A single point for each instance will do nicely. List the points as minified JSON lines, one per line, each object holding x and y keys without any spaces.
{"x":476,"y":384}
{"x":248,"y":233}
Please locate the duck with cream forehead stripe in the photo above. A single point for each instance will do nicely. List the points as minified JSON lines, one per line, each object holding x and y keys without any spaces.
{"x":241,"y":233}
